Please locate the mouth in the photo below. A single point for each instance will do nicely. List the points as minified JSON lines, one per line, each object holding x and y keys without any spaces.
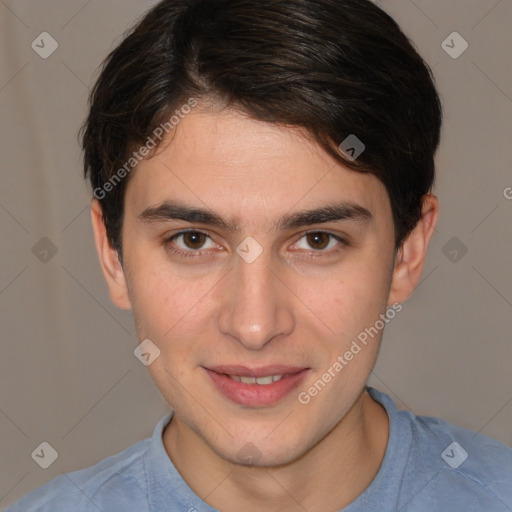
{"x":262,"y":381}
{"x":256,"y":387}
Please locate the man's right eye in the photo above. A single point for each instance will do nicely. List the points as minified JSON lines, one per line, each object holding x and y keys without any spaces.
{"x":190,"y":242}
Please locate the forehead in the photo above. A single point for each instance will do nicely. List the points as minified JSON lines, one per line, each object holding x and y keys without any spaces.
{"x":233,"y":164}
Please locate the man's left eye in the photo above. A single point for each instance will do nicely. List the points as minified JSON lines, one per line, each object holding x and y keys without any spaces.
{"x":319,"y":241}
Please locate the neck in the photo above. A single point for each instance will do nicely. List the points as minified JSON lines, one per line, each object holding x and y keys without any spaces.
{"x":328,"y":477}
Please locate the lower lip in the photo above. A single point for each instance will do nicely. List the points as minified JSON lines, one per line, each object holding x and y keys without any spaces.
{"x":256,"y":395}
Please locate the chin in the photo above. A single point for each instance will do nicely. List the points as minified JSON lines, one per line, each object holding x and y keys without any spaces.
{"x":261,"y":452}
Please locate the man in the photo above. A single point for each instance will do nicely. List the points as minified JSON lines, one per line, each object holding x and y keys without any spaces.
{"x":262,"y":176}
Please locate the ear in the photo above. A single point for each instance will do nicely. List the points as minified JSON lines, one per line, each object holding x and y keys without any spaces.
{"x":109,"y":260}
{"x":410,"y":257}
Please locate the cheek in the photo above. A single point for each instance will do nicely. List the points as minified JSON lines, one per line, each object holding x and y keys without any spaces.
{"x":168,"y":308}
{"x":349,"y":299}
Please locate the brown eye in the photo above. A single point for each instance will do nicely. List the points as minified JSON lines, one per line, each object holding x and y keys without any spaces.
{"x":318,"y":240}
{"x":191,"y":243}
{"x":194,"y":239}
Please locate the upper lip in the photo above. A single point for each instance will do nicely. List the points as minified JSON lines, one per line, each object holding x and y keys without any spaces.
{"x":262,"y":371}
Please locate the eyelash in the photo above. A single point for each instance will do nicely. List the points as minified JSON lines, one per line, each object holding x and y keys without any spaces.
{"x":195,"y":254}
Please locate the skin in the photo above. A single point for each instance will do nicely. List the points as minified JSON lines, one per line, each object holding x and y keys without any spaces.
{"x":298,"y":304}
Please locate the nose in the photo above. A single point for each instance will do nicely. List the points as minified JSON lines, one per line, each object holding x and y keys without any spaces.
{"x":256,"y":305}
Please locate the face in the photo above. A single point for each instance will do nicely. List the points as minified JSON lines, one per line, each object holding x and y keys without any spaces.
{"x":270,"y":284}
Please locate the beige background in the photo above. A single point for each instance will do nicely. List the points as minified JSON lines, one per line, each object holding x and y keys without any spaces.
{"x":68,"y":373}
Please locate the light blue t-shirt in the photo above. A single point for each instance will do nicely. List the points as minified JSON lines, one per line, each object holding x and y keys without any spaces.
{"x":429,"y":466}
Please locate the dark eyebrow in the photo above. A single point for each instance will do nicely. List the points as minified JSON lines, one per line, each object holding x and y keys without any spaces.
{"x":173,"y":210}
{"x":328,"y":213}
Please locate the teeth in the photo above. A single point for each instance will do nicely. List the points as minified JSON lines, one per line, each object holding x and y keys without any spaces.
{"x":262,"y":381}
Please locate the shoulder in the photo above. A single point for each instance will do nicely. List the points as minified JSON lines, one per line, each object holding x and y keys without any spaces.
{"x":456,"y":461}
{"x":115,"y":483}
{"x":431,"y":464}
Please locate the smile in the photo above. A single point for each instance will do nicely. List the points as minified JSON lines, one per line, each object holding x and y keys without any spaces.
{"x":261,"y":387}
{"x":262,"y":381}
